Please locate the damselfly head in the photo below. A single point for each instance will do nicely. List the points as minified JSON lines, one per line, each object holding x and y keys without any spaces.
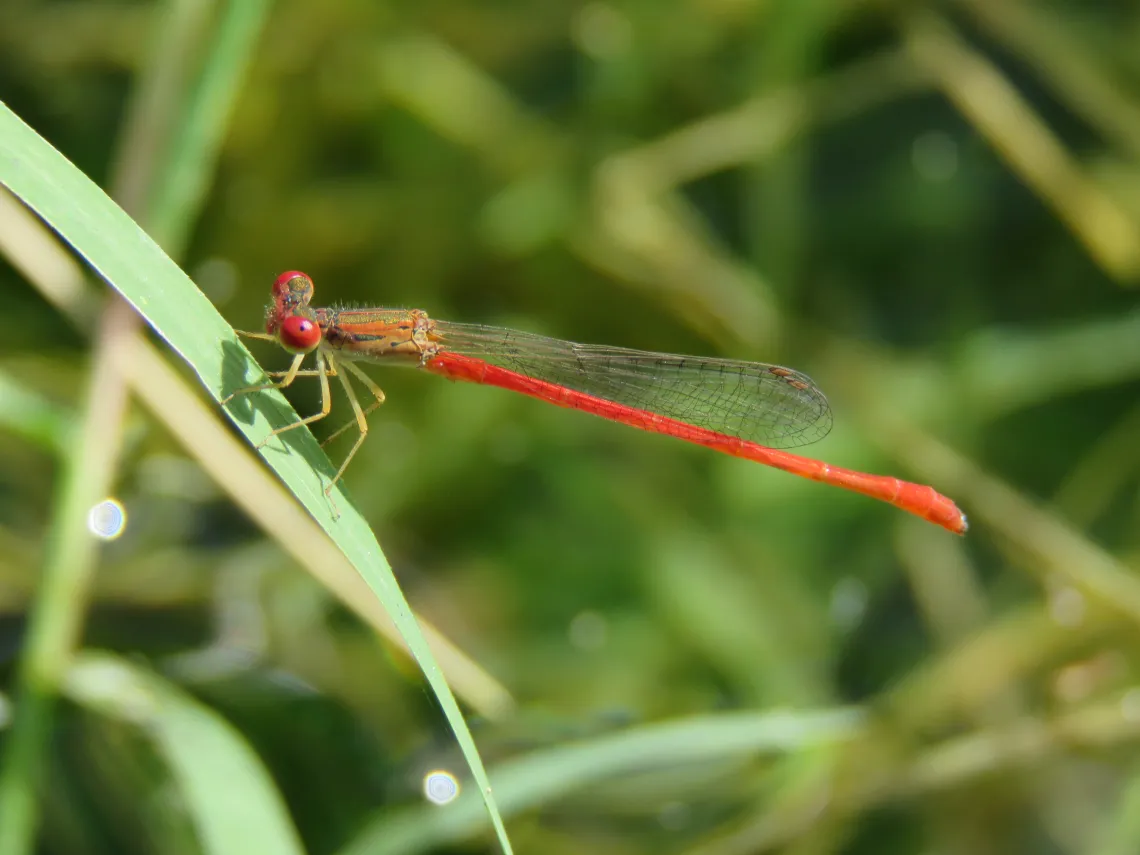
{"x":289,"y":317}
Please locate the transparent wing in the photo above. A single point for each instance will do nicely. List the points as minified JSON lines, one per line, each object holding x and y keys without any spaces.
{"x":761,"y":403}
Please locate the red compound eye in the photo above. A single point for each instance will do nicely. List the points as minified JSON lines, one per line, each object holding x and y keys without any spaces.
{"x":292,"y":291}
{"x":281,"y":282}
{"x":299,"y":335}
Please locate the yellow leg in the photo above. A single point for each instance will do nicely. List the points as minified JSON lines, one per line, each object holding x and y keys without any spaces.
{"x":326,"y":368}
{"x":264,"y":336}
{"x":290,"y":375}
{"x":326,"y":398}
{"x":376,"y":391}
{"x":309,"y":372}
{"x":361,"y":416}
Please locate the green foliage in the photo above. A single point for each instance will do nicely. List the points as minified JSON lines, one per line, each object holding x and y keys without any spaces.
{"x":930,"y":208}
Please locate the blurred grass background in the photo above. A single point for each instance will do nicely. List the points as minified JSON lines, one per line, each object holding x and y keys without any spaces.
{"x":930,"y":207}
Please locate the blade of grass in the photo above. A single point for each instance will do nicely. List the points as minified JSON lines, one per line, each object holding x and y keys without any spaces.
{"x":1003,"y":116}
{"x":32,"y":248}
{"x":57,"y":612}
{"x":543,"y":776}
{"x":956,"y":763}
{"x":58,"y":608}
{"x":25,"y":412}
{"x":158,"y":105}
{"x":1048,"y":43}
{"x":194,"y":145}
{"x":163,"y":392}
{"x":1120,"y":832}
{"x":129,"y":260}
{"x":231,"y":798}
